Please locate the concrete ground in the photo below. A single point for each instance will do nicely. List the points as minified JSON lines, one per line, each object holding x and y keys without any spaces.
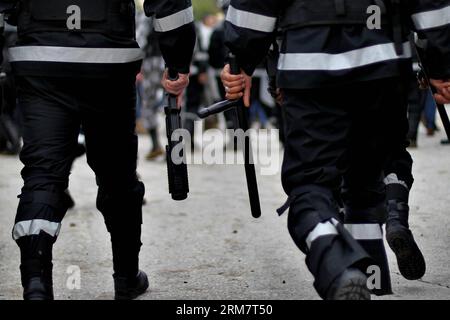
{"x":209,"y":247}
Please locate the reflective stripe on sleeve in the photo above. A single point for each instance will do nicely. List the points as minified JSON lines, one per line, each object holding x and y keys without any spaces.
{"x":250,"y":20}
{"x":174,"y":21}
{"x":432,"y":19}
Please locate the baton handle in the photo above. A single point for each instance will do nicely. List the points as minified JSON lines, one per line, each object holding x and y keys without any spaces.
{"x":172,"y":76}
{"x":234,"y":66}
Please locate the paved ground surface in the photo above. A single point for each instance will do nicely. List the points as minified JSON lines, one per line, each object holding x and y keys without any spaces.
{"x":209,"y":247}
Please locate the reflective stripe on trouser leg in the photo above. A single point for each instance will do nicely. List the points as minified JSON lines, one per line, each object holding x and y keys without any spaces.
{"x":39,"y":211}
{"x":397,"y":191}
{"x":370,"y":237}
{"x":332,"y":253}
{"x":329,"y":248}
{"x":322,"y":229}
{"x":329,"y":251}
{"x":37,"y":226}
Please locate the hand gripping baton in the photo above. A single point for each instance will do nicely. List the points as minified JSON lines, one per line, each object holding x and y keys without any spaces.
{"x":250,"y":172}
{"x":176,"y":170}
{"x":440,"y":107}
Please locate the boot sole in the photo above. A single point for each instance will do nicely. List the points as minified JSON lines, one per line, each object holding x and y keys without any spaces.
{"x":353,"y":289}
{"x":410,"y":260}
{"x":37,"y":297}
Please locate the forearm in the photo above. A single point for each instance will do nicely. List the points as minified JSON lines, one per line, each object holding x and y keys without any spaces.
{"x":174,"y":24}
{"x":249,"y":30}
{"x":431,"y":20}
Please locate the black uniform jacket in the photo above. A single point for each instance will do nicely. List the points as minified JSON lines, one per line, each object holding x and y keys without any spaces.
{"x":317,"y":56}
{"x":88,"y":54}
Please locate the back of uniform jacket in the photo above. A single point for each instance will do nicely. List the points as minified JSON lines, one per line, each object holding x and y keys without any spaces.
{"x":84,"y":38}
{"x":317,"y":53}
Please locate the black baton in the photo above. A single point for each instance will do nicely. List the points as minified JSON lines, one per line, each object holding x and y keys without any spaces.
{"x":250,"y":172}
{"x":177,"y":172}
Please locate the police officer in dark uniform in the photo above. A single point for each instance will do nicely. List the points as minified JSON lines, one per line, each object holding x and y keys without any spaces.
{"x":341,"y":81}
{"x":10,"y":139}
{"x":398,"y":179}
{"x":76,"y":63}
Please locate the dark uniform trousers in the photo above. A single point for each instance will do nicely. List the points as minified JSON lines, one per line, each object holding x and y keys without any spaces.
{"x":53,"y":111}
{"x":338,"y":141}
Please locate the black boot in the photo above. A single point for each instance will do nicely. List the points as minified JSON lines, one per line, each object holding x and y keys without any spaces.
{"x":130,"y":288}
{"x":37,"y":280}
{"x":37,"y":289}
{"x":350,"y":285}
{"x":125,"y":231}
{"x":36,"y":267}
{"x":410,"y":260}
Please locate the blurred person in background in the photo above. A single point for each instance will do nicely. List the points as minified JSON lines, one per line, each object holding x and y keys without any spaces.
{"x":10,"y":133}
{"x":429,"y":114}
{"x":416,"y":100}
{"x":151,"y":91}
{"x":218,"y":53}
{"x":198,"y":79}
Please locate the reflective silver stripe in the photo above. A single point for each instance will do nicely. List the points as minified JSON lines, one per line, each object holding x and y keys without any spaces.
{"x":393,"y":179}
{"x":174,"y":21}
{"x":341,"y":61}
{"x":34,"y":227}
{"x":322,"y":229}
{"x":370,"y":231}
{"x":75,"y":55}
{"x":250,"y":20}
{"x":201,"y":56}
{"x":432,"y":19}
